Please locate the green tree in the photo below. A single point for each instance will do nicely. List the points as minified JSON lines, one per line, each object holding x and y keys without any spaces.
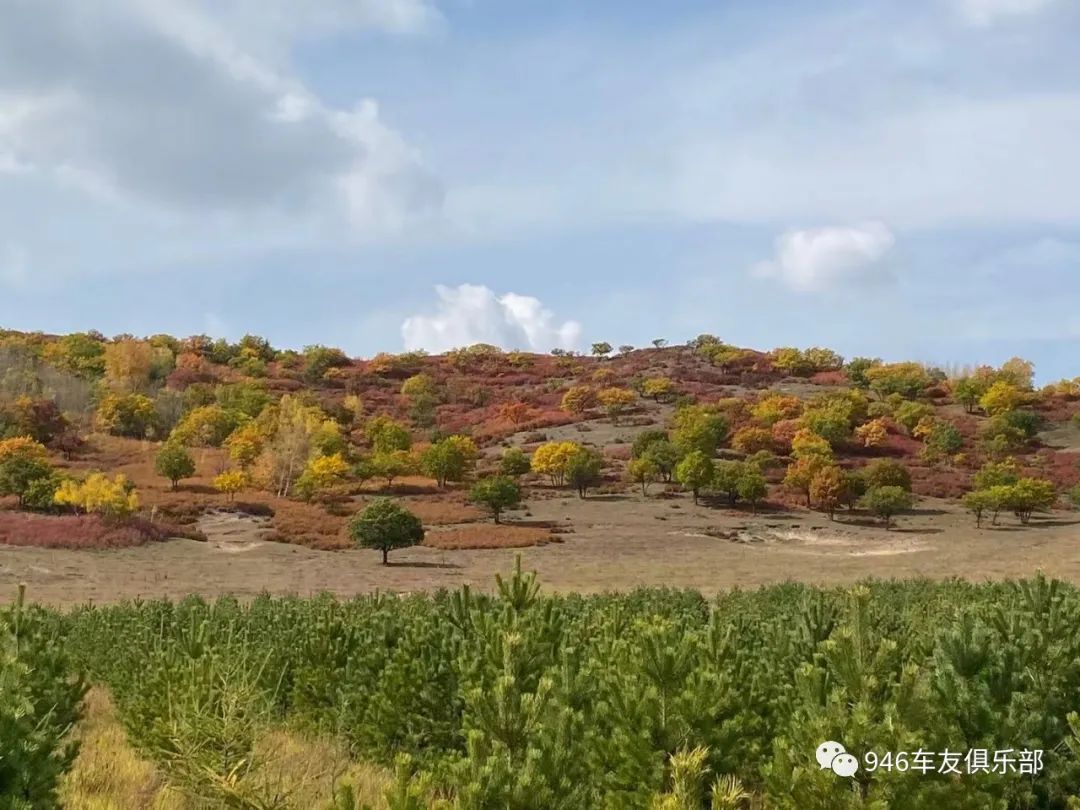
{"x":665,"y":456}
{"x":583,"y":470}
{"x":514,"y":463}
{"x":1029,"y":495}
{"x":978,"y":503}
{"x":884,"y":472}
{"x":997,"y":473}
{"x":644,"y":439}
{"x":385,"y":525}
{"x":19,"y":472}
{"x":697,"y":427}
{"x":642,"y":471}
{"x":174,"y":463}
{"x":386,"y":435}
{"x":752,"y":486}
{"x":496,"y":494}
{"x":601,"y":349}
{"x":887,"y":501}
{"x":449,"y":459}
{"x":695,"y":472}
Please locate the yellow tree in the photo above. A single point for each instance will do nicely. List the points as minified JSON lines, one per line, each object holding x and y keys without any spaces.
{"x":873,"y":434}
{"x":800,"y":474}
{"x":578,"y":399}
{"x":828,"y":489}
{"x":551,"y":459}
{"x":98,"y":494}
{"x":616,"y":401}
{"x":128,"y":363}
{"x":658,"y":388}
{"x":231,"y":482}
{"x":1001,"y":398}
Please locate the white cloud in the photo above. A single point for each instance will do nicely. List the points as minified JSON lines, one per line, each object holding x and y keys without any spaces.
{"x":817,"y":259}
{"x":987,"y":12}
{"x":169,"y":103}
{"x":473,"y":313}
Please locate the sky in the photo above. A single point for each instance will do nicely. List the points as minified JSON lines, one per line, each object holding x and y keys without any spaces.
{"x":895,"y":179}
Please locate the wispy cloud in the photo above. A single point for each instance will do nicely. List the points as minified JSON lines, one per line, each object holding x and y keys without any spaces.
{"x":819,"y":259}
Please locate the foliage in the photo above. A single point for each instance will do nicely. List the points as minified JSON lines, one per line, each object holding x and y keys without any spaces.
{"x":642,"y":471}
{"x":174,"y":462}
{"x":884,"y":472}
{"x":886,"y":501}
{"x":496,"y":494}
{"x":616,"y":401}
{"x":40,"y":697}
{"x":449,"y":459}
{"x":132,"y":415}
{"x":578,"y":399}
{"x":514,"y":463}
{"x":752,"y":439}
{"x":98,"y":494}
{"x":38,"y":418}
{"x":24,"y":470}
{"x":997,"y":473}
{"x":659,"y":388}
{"x":318,"y":360}
{"x":583,"y":469}
{"x":320,"y":473}
{"x":391,"y":465}
{"x":698,"y":428}
{"x":874,"y":433}
{"x":551,"y":460}
{"x":908,"y":414}
{"x":907,"y":379}
{"x":806,"y":443}
{"x":800,"y":474}
{"x":695,"y":472}
{"x":231,"y":482}
{"x":1001,"y":397}
{"x":829,"y":489}
{"x":776,"y":407}
{"x":644,"y":439}
{"x":386,"y":435}
{"x":385,"y":525}
{"x":856,"y":369}
{"x":601,"y":349}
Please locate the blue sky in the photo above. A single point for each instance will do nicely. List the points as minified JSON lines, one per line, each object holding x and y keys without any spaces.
{"x":889,"y":178}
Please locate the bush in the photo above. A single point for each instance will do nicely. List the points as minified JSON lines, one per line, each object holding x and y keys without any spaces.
{"x":496,"y":494}
{"x":886,"y":501}
{"x":174,"y":462}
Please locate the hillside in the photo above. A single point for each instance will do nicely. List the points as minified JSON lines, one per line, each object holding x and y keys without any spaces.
{"x":702,"y":439}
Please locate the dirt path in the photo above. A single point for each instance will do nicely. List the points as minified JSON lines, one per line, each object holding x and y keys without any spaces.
{"x":617,"y":542}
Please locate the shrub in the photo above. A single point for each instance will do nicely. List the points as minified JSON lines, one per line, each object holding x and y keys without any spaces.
{"x":174,"y":463}
{"x":885,"y":472}
{"x":887,"y":501}
{"x":514,"y":463}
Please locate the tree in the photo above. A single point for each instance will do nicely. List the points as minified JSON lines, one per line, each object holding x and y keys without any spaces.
{"x":22,"y":463}
{"x":38,"y":418}
{"x":909,"y":414}
{"x":128,"y":364}
{"x":752,"y":439}
{"x":874,"y":433}
{"x":245,"y":444}
{"x":944,"y":439}
{"x":318,"y":360}
{"x":578,"y":399}
{"x":978,"y":502}
{"x":384,"y":525}
{"x":828,"y":489}
{"x":174,"y":462}
{"x":514,"y":463}
{"x":752,"y":486}
{"x":698,"y":427}
{"x":1000,"y":398}
{"x":726,"y":478}
{"x":969,"y":390}
{"x":601,"y":349}
{"x":616,"y":401}
{"x":515,"y":412}
{"x":806,"y":443}
{"x":423,"y":395}
{"x":905,"y":379}
{"x":583,"y":470}
{"x":132,"y":415}
{"x":659,"y":388}
{"x":208,"y":426}
{"x":856,"y":370}
{"x":997,"y":473}
{"x":659,"y":343}
{"x":449,"y":459}
{"x":801,"y":473}
{"x":98,"y":494}
{"x":625,"y":348}
{"x":496,"y":494}
{"x":886,"y":501}
{"x":392,"y":464}
{"x":695,"y":472}
{"x":665,"y":456}
{"x":231,"y":482}
{"x":551,"y":459}
{"x":885,"y":472}
{"x":775,"y":407}
{"x":1029,"y":495}
{"x":386,"y":435}
{"x":320,"y":473}
{"x":642,"y":471}
{"x":644,"y":439}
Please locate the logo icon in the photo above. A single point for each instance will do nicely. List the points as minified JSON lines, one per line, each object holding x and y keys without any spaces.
{"x":832,"y":755}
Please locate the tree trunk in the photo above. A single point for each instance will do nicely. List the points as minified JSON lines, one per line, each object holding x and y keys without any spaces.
{"x":385,"y":551}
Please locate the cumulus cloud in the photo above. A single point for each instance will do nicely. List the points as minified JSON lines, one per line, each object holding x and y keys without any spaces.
{"x":817,"y":259}
{"x":160,"y":101}
{"x":473,"y":313}
{"x":987,"y":12}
